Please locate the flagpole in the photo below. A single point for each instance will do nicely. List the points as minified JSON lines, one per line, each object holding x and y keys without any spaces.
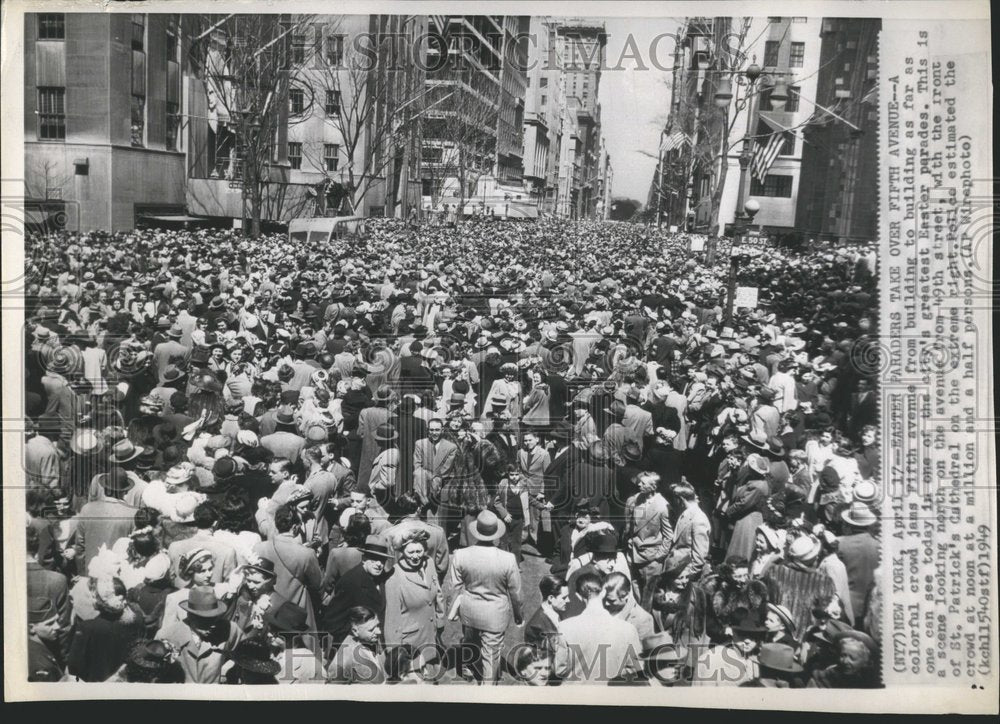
{"x":827,"y":110}
{"x":745,"y":156}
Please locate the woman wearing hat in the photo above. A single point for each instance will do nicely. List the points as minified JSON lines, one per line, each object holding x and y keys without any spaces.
{"x":196,"y":568}
{"x":150,"y":662}
{"x":536,"y":405}
{"x":101,"y":644}
{"x":506,"y":389}
{"x":384,"y":480}
{"x":252,"y":663}
{"x":414,"y":602}
{"x":369,"y":421}
{"x":745,"y":512}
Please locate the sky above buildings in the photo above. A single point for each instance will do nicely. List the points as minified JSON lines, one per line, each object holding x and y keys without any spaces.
{"x":635,"y":100}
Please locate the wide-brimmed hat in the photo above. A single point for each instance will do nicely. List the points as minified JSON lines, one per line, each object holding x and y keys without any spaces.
{"x":85,"y":441}
{"x":632,"y":451}
{"x":805,"y":549}
{"x":254,"y":656}
{"x":386,"y":433}
{"x":775,"y":446}
{"x":758,"y":463}
{"x":767,"y":394}
{"x":756,"y":439}
{"x":287,"y":617}
{"x":749,"y":623}
{"x":660,"y":648}
{"x":866,"y":491}
{"x":65,"y":361}
{"x":859,"y":514}
{"x":784,"y":614}
{"x":116,"y":481}
{"x":203,"y":602}
{"x":597,"y":451}
{"x":179,"y":474}
{"x":150,"y":656}
{"x":173,"y":373}
{"x":376,"y":546}
{"x":779,"y":657}
{"x":602,"y":542}
{"x":487,"y":527}
{"x":175,"y":331}
{"x":124,"y":451}
{"x":216,"y":303}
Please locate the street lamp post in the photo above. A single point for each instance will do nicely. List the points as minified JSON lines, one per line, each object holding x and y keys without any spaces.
{"x":744,"y":219}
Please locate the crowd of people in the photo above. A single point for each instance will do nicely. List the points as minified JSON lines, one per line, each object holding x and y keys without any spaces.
{"x":272,"y":461}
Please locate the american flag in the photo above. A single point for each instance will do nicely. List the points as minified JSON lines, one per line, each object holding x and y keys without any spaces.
{"x":674,"y":140}
{"x":765,"y":153}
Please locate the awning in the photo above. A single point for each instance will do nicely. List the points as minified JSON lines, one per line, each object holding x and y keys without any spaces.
{"x":179,"y":218}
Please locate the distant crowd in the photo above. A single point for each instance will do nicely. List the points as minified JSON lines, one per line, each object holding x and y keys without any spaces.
{"x":264,"y":460}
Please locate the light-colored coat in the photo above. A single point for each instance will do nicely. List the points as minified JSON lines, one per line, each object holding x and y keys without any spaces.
{"x":414,"y":607}
{"x":487,"y":584}
{"x":649,"y":532}
{"x":298,"y":573}
{"x":432,"y":461}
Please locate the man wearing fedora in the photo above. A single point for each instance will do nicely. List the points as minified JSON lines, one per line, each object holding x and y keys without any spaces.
{"x":204,"y":639}
{"x":170,"y":352}
{"x":777,"y":668}
{"x":486,"y":593}
{"x":765,"y":419}
{"x":363,"y":585}
{"x":104,"y":521}
{"x":285,"y":441}
{"x":796,"y":580}
{"x":858,"y":548}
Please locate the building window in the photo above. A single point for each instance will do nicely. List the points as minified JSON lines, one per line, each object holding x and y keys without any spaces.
{"x":51,"y":26}
{"x":798,"y":56}
{"x":776,"y":186}
{"x":138,"y":120}
{"x":335,"y":50}
{"x":792,"y":104}
{"x":431,"y":154}
{"x":771,"y":53}
{"x":171,"y":42}
{"x":298,"y":49}
{"x":297,"y":101}
{"x":52,"y":114}
{"x":138,"y":31}
{"x":800,"y":19}
{"x":173,"y":126}
{"x":331,"y":156}
{"x":543,"y":82}
{"x":295,"y":155}
{"x":544,"y":99}
{"x":333,"y":103}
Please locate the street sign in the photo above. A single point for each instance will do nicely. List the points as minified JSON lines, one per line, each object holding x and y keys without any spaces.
{"x":745,"y":297}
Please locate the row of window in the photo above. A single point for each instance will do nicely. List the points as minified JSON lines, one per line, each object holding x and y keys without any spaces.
{"x":774,"y":185}
{"x":297,"y":102}
{"x":52,"y":117}
{"x":796,"y":57}
{"x":331,"y":155}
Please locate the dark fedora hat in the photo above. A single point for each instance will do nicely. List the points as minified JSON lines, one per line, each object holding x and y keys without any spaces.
{"x":285,"y":418}
{"x":254,"y":656}
{"x":288,"y":617}
{"x":203,"y":602}
{"x":116,"y":481}
{"x":376,"y":546}
{"x":602,"y":542}
{"x":386,"y":433}
{"x":632,"y":451}
{"x":779,"y":657}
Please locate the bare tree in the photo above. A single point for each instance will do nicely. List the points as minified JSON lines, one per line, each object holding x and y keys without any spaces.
{"x":371,"y":94}
{"x":460,"y":127}
{"x":246,"y":64}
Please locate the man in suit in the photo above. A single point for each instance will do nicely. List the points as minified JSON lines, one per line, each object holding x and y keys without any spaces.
{"x":636,"y":419}
{"x":617,"y":434}
{"x":297,"y":571}
{"x":533,"y":460}
{"x":170,"y":351}
{"x":648,"y":531}
{"x":766,"y":419}
{"x":595,"y":646}
{"x":859,"y":550}
{"x":205,"y":520}
{"x":408,"y":506}
{"x":363,"y":585}
{"x":486,"y":593}
{"x":284,"y":442}
{"x":433,"y":462}
{"x":104,"y":521}
{"x":544,"y":623}
{"x":692,"y":536}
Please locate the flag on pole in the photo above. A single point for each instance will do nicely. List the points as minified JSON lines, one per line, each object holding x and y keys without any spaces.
{"x":871,"y":96}
{"x":766,"y":152}
{"x":674,"y":140}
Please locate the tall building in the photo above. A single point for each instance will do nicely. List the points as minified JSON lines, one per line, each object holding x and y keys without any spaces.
{"x":839,"y":196}
{"x":544,"y":109}
{"x":692,"y":161}
{"x":580,"y":50}
{"x":462,"y":116}
{"x":102,"y":140}
{"x":510,"y":118}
